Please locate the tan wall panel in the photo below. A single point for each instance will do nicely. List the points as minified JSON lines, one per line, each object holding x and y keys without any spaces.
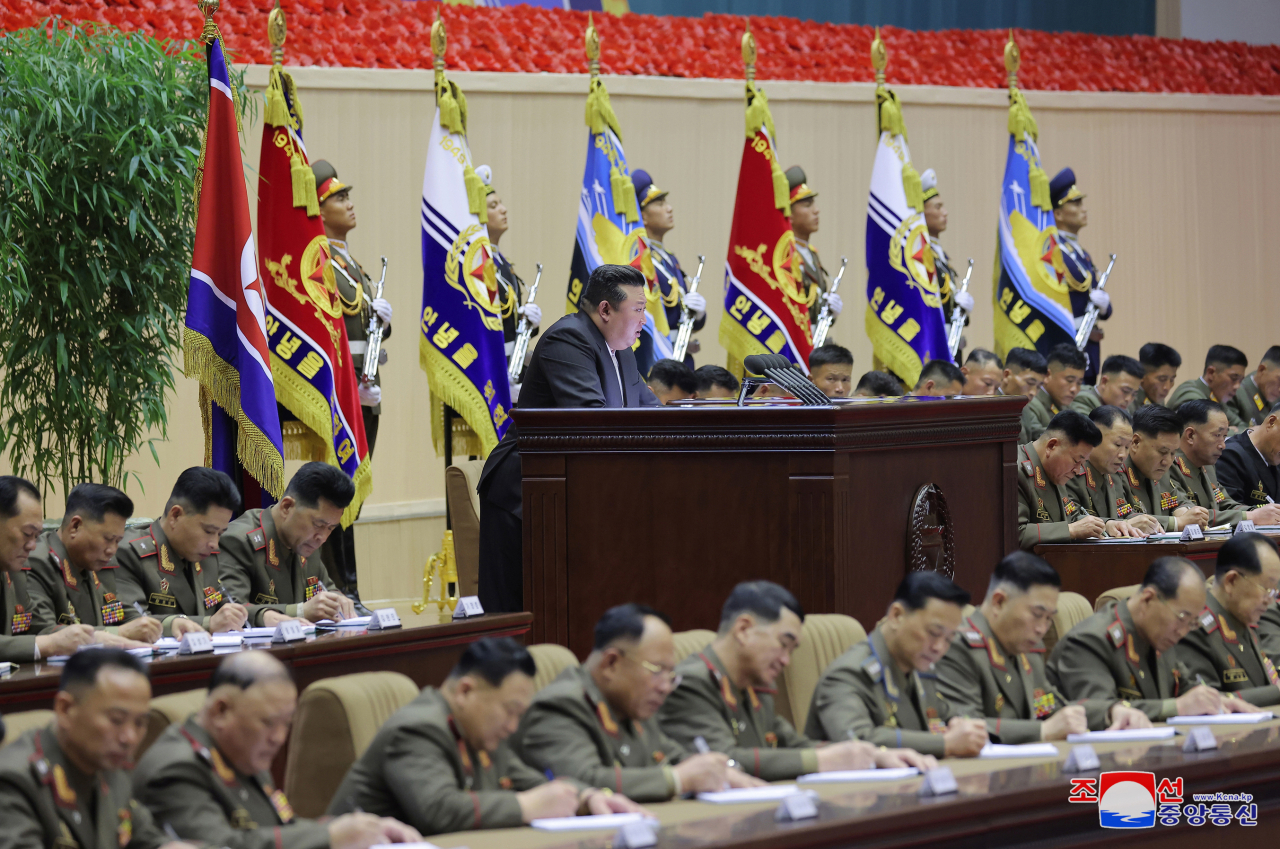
{"x":1179,"y":186}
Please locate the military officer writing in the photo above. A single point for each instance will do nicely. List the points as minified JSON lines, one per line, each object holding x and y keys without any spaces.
{"x":356,"y":296}
{"x":72,"y":572}
{"x":21,"y":523}
{"x":1157,"y":433}
{"x":66,"y":785}
{"x":1057,"y":392}
{"x":725,"y":697}
{"x":884,"y":690}
{"x":270,"y":557}
{"x":1124,"y":651}
{"x":1222,"y":649}
{"x":1078,"y":272}
{"x":1224,"y":368}
{"x":598,"y":723}
{"x":1120,"y":379}
{"x":442,"y":763}
{"x":994,"y":669}
{"x":1260,"y":390}
{"x":209,"y":777}
{"x":171,"y":568}
{"x":1103,"y":490}
{"x":1204,"y":436}
{"x":1160,"y":365}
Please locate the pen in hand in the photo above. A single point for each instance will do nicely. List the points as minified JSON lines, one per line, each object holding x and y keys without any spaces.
{"x":700,"y":743}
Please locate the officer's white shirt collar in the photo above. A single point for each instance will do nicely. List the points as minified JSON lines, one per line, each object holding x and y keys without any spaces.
{"x":613,"y":355}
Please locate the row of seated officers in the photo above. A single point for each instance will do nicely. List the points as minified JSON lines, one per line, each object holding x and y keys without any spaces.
{"x":634,"y":725}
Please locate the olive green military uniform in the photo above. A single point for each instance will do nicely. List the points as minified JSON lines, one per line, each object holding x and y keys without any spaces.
{"x":571,"y":730}
{"x":1036,"y":416}
{"x":152,"y":573}
{"x":45,"y":801}
{"x":1196,"y":388}
{"x":1224,"y":653}
{"x":357,"y":307}
{"x":1155,"y":498}
{"x":1086,"y":401}
{"x":17,"y":632}
{"x":1269,"y":632}
{"x":1139,"y":401}
{"x":1199,"y":485}
{"x":740,"y":722}
{"x":1105,"y":657}
{"x":981,"y":680}
{"x":63,"y":594}
{"x":864,"y":695}
{"x":1045,"y":510}
{"x":1104,"y":494}
{"x":814,"y":277}
{"x":1249,"y":406}
{"x":185,"y":781}
{"x":419,"y":770}
{"x":259,"y":569}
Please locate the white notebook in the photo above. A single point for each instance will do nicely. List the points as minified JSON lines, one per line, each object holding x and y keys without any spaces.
{"x":1127,"y":735}
{"x":841,"y":776}
{"x":745,"y":795}
{"x":1223,"y":719}
{"x":1027,"y":750}
{"x":596,"y":821}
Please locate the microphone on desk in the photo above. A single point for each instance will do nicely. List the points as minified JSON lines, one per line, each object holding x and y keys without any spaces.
{"x":778,"y":369}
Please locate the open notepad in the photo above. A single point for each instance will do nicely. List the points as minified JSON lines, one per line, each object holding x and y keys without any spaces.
{"x":746,"y":795}
{"x":597,"y":821}
{"x":1027,"y":750}
{"x":841,"y":776}
{"x":1127,"y":735}
{"x":1223,"y":719}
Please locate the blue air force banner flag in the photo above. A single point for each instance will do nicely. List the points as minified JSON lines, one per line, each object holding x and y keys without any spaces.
{"x":609,"y":230}
{"x":461,"y":347}
{"x":904,"y":318}
{"x":1032,"y":303}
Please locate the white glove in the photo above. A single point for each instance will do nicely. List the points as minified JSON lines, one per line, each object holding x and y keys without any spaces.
{"x":370,"y":396}
{"x":1100,"y":299}
{"x":964,"y":301}
{"x":383,"y":309}
{"x":514,"y":388}
{"x":835,"y":302}
{"x":695,"y":302}
{"x":533,"y":313}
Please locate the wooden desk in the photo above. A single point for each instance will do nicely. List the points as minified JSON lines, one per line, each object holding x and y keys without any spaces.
{"x":673,"y":506}
{"x":425,"y":653}
{"x":1093,"y":568}
{"x":1005,"y":803}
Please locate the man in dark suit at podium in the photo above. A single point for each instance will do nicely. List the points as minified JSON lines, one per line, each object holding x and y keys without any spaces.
{"x":583,"y":360}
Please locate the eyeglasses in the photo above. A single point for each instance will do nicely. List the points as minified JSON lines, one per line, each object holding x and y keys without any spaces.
{"x":656,"y":671}
{"x":1182,"y":616}
{"x":1267,"y":593}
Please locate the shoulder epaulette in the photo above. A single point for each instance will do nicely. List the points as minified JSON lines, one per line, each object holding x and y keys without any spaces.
{"x":1182,"y":466}
{"x":144,"y":546}
{"x":1116,"y":632}
{"x":872,"y":667}
{"x":258,"y":539}
{"x":1208,"y":621}
{"x":974,"y":639}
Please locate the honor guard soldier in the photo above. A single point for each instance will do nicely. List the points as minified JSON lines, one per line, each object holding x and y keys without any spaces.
{"x":935,"y":219}
{"x":1066,"y":376}
{"x":442,"y":762}
{"x":804,"y":223}
{"x":994,"y":670}
{"x":1160,"y":365}
{"x":171,"y":570}
{"x":725,"y":697}
{"x":597,"y":723}
{"x":659,"y":219}
{"x":72,"y":572}
{"x":1259,"y":391}
{"x":1103,"y":490}
{"x":1157,"y":434}
{"x":21,"y":521}
{"x":271,"y":556}
{"x":1224,"y":369}
{"x":66,"y":786}
{"x":1247,"y":469}
{"x":1119,"y":381}
{"x":1204,"y":434}
{"x":1222,"y":649}
{"x":1123,"y":650}
{"x":1046,"y":512}
{"x":512,"y":290}
{"x":1078,"y":272}
{"x":209,"y":778}
{"x":356,"y":296}
{"x":882,"y":690}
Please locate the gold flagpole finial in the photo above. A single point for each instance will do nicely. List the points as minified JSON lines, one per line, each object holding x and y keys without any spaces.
{"x":749,"y":52}
{"x":438,"y":43}
{"x":276,"y":34}
{"x":210,"y":30}
{"x":879,"y":57}
{"x":591,"y":42}
{"x":1012,"y":58}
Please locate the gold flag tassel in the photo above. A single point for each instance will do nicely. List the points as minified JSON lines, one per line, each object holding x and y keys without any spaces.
{"x":600,"y":116}
{"x":759,"y":117}
{"x":452,"y":104}
{"x":1022,"y":124}
{"x":284,"y":110}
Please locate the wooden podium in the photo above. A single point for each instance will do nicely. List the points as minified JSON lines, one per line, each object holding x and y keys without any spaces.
{"x":673,"y":506}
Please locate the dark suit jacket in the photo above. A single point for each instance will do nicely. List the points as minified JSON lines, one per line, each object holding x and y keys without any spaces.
{"x":571,"y":367}
{"x":1245,"y":475}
